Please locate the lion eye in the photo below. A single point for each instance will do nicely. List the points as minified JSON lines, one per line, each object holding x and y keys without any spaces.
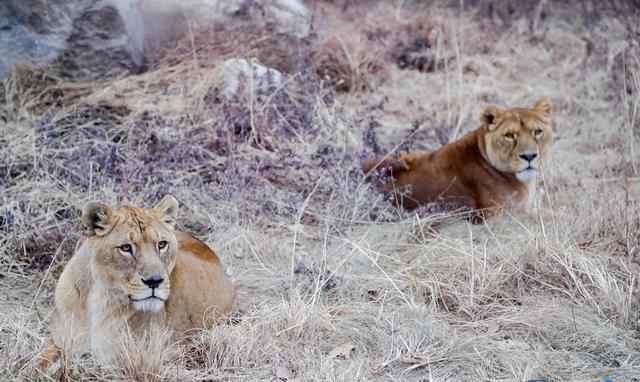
{"x":510,"y":136}
{"x":537,"y":132}
{"x":162,"y":244}
{"x":126,"y":248}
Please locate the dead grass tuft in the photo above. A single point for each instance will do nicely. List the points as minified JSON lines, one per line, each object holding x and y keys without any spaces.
{"x":38,"y":91}
{"x":347,"y":64}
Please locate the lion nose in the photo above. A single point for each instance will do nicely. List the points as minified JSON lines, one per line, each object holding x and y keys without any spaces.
{"x":153,"y":281}
{"x":528,"y":157}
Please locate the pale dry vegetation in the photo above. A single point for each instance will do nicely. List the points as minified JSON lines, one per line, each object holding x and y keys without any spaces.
{"x":334,"y":284}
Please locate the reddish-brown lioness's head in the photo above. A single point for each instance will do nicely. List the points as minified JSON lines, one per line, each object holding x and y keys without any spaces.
{"x":517,"y":140}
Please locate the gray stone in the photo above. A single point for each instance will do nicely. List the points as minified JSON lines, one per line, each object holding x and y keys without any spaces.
{"x":33,"y":31}
{"x":82,"y":38}
{"x":242,"y":77}
{"x":89,"y":39}
{"x":166,"y":18}
{"x":106,"y":39}
{"x":290,"y":17}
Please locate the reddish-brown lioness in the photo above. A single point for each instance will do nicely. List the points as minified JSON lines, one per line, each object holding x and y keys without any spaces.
{"x":131,"y":271}
{"x":492,"y":167}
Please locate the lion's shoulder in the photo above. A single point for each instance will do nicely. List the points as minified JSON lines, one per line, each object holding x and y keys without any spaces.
{"x":189,"y":244}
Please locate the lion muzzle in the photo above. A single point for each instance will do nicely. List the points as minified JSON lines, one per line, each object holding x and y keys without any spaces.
{"x":152,"y":293}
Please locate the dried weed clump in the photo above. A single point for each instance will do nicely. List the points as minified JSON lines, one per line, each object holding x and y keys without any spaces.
{"x":334,"y":283}
{"x":346,"y":64}
{"x":361,"y":46}
{"x":37,"y":91}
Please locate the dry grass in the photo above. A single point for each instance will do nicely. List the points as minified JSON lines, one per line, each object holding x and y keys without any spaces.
{"x":334,"y":284}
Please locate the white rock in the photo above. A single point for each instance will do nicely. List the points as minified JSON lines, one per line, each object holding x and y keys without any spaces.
{"x":241,"y":76}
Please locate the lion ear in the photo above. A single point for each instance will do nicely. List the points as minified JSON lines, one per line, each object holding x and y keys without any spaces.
{"x":97,"y":218}
{"x":168,"y":208}
{"x":544,"y":105}
{"x":490,"y":116}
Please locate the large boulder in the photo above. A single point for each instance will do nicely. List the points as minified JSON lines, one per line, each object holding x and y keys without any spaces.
{"x":89,"y":39}
{"x":34,"y":31}
{"x":165,"y":20}
{"x":290,"y":17}
{"x":106,"y":39}
{"x":83,"y":38}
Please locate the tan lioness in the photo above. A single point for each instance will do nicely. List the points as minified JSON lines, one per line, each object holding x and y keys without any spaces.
{"x":132,"y":270}
{"x":488,"y":169}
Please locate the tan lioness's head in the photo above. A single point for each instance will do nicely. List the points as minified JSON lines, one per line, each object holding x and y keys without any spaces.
{"x":134,"y":250}
{"x":517,"y":140}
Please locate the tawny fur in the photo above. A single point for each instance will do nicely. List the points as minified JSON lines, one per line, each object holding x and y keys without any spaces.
{"x":93,"y":298}
{"x":484,"y":170}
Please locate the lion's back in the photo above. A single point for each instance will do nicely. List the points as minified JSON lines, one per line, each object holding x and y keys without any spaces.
{"x":201,"y":292}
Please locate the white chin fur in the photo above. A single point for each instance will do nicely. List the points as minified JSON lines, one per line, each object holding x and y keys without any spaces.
{"x":526,"y":175}
{"x":151,"y":305}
